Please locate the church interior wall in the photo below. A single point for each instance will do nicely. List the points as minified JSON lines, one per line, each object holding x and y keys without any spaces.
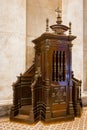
{"x":12,"y":45}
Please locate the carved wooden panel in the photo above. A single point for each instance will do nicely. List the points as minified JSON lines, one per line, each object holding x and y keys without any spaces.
{"x":59,"y":94}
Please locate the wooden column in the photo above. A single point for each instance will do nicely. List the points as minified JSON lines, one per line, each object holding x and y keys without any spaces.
{"x":32,"y":119}
{"x":47,"y":80}
{"x":71,"y":109}
{"x":55,"y":66}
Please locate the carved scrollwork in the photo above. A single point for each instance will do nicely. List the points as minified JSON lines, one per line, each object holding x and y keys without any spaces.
{"x":59,"y":94}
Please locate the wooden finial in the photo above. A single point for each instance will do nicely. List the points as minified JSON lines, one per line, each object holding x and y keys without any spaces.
{"x":20,"y":74}
{"x":47,"y":25}
{"x":70,"y":28}
{"x":59,"y":19}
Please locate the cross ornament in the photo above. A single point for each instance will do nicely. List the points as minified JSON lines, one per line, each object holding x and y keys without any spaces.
{"x":58,"y":11}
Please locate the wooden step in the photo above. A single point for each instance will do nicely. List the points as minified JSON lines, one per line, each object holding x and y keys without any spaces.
{"x":25,"y":110}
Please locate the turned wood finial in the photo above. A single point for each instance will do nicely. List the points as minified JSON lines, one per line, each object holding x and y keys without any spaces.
{"x":59,"y":19}
{"x":70,"y":28}
{"x":20,"y":74}
{"x":47,"y":25}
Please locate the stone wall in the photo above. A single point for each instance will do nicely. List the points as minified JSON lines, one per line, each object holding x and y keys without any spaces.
{"x":73,"y":12}
{"x":12,"y":45}
{"x":85,"y":44}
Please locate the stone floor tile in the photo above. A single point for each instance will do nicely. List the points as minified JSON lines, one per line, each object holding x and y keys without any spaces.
{"x":77,"y":124}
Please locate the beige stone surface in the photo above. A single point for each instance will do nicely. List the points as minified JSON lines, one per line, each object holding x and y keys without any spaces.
{"x":85,"y":45}
{"x":12,"y":44}
{"x":73,"y":12}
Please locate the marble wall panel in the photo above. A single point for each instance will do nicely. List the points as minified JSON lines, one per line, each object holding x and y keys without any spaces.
{"x":12,"y":61}
{"x":73,"y":12}
{"x":12,"y":45}
{"x":30,"y":52}
{"x":85,"y":44}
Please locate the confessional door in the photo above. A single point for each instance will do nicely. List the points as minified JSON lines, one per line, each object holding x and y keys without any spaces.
{"x":59,"y":72}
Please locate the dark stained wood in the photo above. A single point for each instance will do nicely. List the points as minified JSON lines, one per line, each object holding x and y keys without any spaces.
{"x":49,"y":87}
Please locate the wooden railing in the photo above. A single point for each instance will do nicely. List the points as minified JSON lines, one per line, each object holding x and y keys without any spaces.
{"x":77,"y":95}
{"x":22,"y":91}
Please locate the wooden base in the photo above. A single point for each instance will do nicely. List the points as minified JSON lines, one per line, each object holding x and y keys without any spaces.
{"x":28,"y":117}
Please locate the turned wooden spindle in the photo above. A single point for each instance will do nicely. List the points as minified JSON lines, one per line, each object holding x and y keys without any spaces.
{"x":47,"y":25}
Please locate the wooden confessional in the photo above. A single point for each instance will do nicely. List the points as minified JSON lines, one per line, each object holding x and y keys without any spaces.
{"x":48,"y":90}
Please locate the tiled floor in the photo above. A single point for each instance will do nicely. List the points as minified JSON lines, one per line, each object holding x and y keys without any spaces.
{"x":77,"y":124}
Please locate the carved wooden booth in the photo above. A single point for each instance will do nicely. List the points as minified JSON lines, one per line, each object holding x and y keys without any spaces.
{"x":48,"y":90}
